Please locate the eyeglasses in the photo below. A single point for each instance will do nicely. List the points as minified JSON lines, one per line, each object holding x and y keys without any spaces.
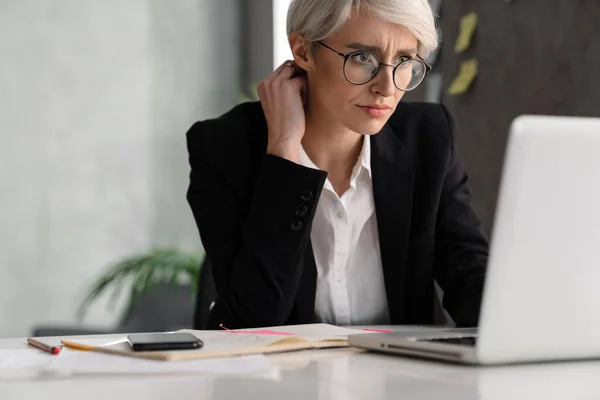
{"x":361,"y":67}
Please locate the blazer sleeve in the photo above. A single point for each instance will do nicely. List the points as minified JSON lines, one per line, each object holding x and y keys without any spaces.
{"x":254,"y":242}
{"x":461,"y":248}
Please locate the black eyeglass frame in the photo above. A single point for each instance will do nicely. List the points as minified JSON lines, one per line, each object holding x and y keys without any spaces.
{"x":346,"y":56}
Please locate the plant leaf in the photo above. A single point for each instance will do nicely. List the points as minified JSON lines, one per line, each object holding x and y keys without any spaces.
{"x":144,"y":270}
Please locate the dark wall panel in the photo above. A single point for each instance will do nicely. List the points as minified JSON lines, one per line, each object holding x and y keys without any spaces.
{"x":535,"y":56}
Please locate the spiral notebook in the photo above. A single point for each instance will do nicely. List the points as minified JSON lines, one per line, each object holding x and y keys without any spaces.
{"x":229,"y":343}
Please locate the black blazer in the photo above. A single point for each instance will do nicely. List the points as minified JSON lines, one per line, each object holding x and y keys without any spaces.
{"x":254,"y":212}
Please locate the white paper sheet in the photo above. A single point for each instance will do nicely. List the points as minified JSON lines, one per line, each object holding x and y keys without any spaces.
{"x":24,"y":363}
{"x":83,"y":362}
{"x":315,"y":332}
{"x":214,"y":341}
{"x":31,"y":363}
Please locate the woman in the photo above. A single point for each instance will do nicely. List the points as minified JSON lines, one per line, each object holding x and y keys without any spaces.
{"x":329,"y":200}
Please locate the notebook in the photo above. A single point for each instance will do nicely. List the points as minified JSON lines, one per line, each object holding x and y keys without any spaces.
{"x":229,"y":343}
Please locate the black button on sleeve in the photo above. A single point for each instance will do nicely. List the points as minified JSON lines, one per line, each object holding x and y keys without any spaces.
{"x":306,"y":195}
{"x":301,"y":211}
{"x":296,"y":225}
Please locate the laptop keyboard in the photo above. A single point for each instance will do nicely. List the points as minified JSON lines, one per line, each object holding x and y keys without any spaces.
{"x":465,"y":340}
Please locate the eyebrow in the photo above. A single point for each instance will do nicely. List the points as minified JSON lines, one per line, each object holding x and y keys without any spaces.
{"x":360,"y":46}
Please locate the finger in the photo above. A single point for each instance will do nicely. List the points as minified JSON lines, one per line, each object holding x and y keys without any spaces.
{"x":263,"y":98}
{"x":286,"y":70}
{"x":280,"y":81}
{"x":298,"y":83}
{"x":283,"y":67}
{"x":285,"y":64}
{"x":260,"y":89}
{"x":274,"y":78}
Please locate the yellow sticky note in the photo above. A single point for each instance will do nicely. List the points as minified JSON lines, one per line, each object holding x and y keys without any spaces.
{"x":468,"y":23}
{"x":466,"y":75}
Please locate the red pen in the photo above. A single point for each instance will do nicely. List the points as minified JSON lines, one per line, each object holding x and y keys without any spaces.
{"x":50,"y":349}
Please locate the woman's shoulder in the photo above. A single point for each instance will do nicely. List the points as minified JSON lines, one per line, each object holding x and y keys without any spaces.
{"x":244,"y":123}
{"x":229,"y":145}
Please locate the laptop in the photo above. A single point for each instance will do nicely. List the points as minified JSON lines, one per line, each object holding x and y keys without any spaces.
{"x":541,"y":300}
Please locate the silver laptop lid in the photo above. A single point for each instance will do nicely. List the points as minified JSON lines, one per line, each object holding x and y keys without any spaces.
{"x":542,"y":294}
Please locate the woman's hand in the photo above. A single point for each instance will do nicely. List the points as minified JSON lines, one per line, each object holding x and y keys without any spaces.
{"x":281,"y":95}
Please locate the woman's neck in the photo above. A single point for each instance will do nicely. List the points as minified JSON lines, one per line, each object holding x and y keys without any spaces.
{"x":332,"y":147}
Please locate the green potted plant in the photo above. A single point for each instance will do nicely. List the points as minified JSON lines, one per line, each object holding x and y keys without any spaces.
{"x":140,"y":272}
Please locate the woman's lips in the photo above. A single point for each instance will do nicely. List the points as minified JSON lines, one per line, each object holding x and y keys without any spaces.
{"x":376,"y":111}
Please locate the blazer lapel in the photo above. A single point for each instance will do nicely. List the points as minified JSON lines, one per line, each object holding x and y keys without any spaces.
{"x":392,"y":192}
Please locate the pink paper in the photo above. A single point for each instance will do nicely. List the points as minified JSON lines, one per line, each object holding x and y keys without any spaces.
{"x":378,"y":330}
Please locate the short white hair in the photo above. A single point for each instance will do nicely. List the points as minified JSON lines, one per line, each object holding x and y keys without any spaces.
{"x":316,"y":20}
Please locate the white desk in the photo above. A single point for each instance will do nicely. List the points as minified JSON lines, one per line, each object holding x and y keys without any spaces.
{"x":328,"y":374}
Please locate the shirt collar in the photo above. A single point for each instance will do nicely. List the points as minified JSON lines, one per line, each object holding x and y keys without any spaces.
{"x":365,"y":154}
{"x":363,"y":162}
{"x":305,"y":160}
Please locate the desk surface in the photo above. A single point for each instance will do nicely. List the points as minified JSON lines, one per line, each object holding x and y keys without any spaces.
{"x":329,"y":374}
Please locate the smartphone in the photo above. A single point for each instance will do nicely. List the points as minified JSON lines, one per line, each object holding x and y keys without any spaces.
{"x":163,"y":341}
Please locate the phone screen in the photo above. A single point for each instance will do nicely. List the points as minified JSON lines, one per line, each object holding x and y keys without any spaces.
{"x":163,"y":341}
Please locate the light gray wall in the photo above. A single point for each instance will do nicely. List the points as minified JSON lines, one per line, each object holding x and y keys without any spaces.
{"x":257,"y":42}
{"x":195,"y":59}
{"x":96,"y":98}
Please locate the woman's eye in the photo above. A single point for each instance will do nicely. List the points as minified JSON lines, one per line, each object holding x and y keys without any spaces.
{"x":363,"y":58}
{"x":403,"y":59}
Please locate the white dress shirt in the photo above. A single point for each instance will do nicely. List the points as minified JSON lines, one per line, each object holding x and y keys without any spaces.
{"x":350,"y":286}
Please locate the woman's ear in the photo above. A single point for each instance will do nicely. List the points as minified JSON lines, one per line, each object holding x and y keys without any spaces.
{"x":301,"y":51}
